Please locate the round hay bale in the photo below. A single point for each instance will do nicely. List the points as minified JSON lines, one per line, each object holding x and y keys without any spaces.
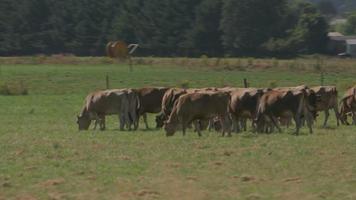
{"x":119,"y":49}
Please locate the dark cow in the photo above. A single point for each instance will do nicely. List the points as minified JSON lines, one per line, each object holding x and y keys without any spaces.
{"x":328,"y":100}
{"x":101,"y":103}
{"x":150,"y":101}
{"x":348,"y":106}
{"x":191,"y":107}
{"x":286,"y":103}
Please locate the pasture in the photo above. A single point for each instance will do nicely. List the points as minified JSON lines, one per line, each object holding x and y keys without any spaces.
{"x":44,"y":156}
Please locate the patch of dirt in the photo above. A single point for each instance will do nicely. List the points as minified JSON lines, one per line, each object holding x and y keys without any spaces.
{"x":30,"y":168}
{"x":19,"y":152}
{"x":192,"y":178}
{"x":92,"y":178}
{"x":254,"y":197}
{"x":146,"y":192}
{"x":293,"y":179}
{"x":56,"y":196}
{"x":52,"y":182}
{"x":174,"y":165}
{"x":228,"y":153}
{"x":26,"y":197}
{"x":248,"y":178}
{"x":218,"y":163}
{"x":6,"y":184}
{"x":123,"y":157}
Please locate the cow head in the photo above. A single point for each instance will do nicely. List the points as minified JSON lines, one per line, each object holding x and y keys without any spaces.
{"x":83,"y":122}
{"x":344,"y":112}
{"x":170,"y":128}
{"x":160,"y":120}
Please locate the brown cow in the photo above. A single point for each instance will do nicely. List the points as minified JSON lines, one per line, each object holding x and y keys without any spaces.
{"x":348,"y":106}
{"x":243,"y":106}
{"x":150,"y":101}
{"x":191,"y":107}
{"x":328,"y":100}
{"x":101,"y":103}
{"x":169,"y":99}
{"x":279,"y":103}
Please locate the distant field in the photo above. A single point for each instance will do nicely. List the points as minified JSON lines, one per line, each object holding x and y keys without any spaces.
{"x":43,"y":156}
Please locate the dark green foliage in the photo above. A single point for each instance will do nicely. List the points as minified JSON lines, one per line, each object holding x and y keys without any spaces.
{"x":160,"y":27}
{"x":350,"y":27}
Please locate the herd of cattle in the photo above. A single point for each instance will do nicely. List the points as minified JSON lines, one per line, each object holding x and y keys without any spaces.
{"x":223,"y":109}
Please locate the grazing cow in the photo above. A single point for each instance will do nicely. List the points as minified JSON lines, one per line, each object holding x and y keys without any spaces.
{"x":286,"y":103}
{"x":243,"y":106}
{"x":328,"y":100}
{"x":150,"y":101}
{"x":169,"y":99}
{"x":101,"y":103}
{"x":191,"y":107}
{"x":348,"y":106}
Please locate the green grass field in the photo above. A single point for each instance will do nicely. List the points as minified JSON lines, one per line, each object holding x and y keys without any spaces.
{"x":44,"y":156}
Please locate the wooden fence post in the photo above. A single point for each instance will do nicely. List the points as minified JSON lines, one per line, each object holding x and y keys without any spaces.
{"x":245,"y":83}
{"x":107,"y":81}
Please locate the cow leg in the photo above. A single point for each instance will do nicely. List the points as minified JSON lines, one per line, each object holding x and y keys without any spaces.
{"x":244,"y":124}
{"x":327,"y":114}
{"x":184,"y":126}
{"x":222,"y":127}
{"x":122,"y":121}
{"x":144,"y":116}
{"x":96,"y":123}
{"x":309,"y":119}
{"x":226,"y":125}
{"x":135,"y":120}
{"x":102,"y":122}
{"x":235,"y":123}
{"x":275,"y":123}
{"x":211,"y":124}
{"x":354,"y":118}
{"x":297,"y":123}
{"x":197,"y":127}
{"x":337,"y":115}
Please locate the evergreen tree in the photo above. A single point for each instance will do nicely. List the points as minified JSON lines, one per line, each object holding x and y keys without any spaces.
{"x":247,"y":24}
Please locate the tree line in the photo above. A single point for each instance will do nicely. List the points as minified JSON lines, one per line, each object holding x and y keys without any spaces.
{"x":162,"y":27}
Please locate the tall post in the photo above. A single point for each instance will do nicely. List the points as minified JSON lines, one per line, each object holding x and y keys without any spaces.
{"x":130,"y":63}
{"x":245,"y":83}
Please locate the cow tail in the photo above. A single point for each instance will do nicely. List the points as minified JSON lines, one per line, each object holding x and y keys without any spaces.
{"x":169,"y":101}
{"x":138,"y":104}
{"x":174,"y":113}
{"x":302,"y":104}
